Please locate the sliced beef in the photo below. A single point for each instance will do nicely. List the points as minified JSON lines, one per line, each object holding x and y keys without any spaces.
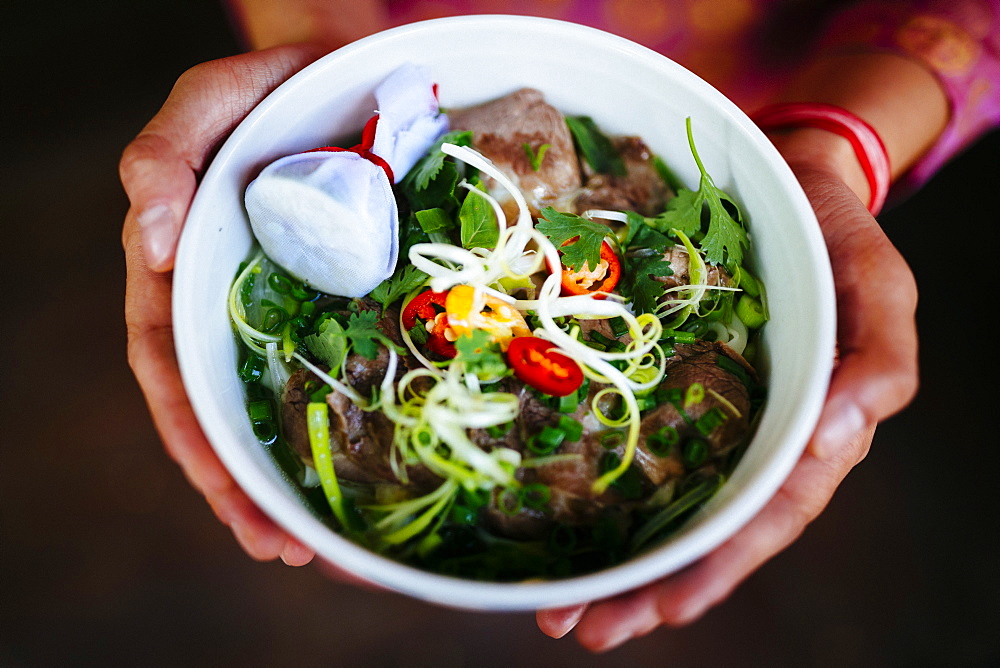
{"x":725,"y":393}
{"x":361,"y":441}
{"x":501,"y":130}
{"x":293,"y":412}
{"x":640,"y":189}
{"x":570,"y":481}
{"x":680,"y":264}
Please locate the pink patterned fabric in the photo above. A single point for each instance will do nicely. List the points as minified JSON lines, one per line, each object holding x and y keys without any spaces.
{"x":747,"y":48}
{"x":958,"y":40}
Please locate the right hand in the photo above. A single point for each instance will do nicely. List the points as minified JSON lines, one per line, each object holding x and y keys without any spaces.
{"x":160,"y":170}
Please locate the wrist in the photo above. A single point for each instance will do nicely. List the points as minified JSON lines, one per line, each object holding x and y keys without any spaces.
{"x":824,"y":151}
{"x":820,"y":149}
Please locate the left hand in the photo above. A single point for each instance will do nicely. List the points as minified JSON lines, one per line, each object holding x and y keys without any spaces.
{"x":876,"y":376}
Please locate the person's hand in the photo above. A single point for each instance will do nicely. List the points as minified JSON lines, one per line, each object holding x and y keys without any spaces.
{"x":875,"y":377}
{"x":160,"y":171}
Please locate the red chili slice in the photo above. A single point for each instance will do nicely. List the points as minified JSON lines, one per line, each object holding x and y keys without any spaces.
{"x":539,"y":364}
{"x":425,"y":306}
{"x":571,"y":281}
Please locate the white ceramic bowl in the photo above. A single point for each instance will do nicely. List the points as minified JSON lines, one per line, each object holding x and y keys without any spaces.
{"x":627,"y":89}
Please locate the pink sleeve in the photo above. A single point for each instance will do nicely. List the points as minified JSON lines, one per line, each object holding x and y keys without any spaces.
{"x":959,"y":40}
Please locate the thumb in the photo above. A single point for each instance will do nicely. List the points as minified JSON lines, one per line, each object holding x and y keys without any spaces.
{"x":160,"y":168}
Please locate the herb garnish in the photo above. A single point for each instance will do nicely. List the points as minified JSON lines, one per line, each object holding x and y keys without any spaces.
{"x":576,"y":237}
{"x":594,"y":145}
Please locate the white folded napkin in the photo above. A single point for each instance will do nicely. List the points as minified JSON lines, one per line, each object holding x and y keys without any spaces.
{"x":329,"y":217}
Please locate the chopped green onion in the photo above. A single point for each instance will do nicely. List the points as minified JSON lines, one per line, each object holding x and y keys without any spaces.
{"x":572,"y":429}
{"x":695,"y":395}
{"x":672,"y":395}
{"x":695,"y":453}
{"x":260,"y":410}
{"x":609,"y":344}
{"x":661,"y":442}
{"x":500,"y":430}
{"x":751,"y":312}
{"x":618,"y":326}
{"x":611,"y":439}
{"x":546,"y":441}
{"x":680,"y":336}
{"x":252,"y":369}
{"x":747,"y":282}
{"x":265,"y":431}
{"x":536,"y":495}
{"x":510,"y":501}
{"x":279,"y":283}
{"x":710,"y":420}
{"x":462,"y":514}
{"x":569,"y":403}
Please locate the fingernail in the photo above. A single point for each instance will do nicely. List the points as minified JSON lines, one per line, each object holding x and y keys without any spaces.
{"x":563,"y":621}
{"x":842,"y":421}
{"x":615,"y":639}
{"x":159,"y":234}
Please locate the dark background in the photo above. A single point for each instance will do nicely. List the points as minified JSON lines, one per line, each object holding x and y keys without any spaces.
{"x":108,"y":556}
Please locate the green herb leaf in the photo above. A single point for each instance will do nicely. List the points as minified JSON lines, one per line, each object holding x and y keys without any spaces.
{"x":394,"y":287}
{"x":642,"y":236}
{"x":639,"y":285}
{"x":437,"y":192}
{"x":683,"y":213}
{"x":595,"y":146}
{"x":582,"y":237}
{"x":364,"y":334}
{"x":329,"y":344}
{"x":725,"y":239}
{"x":428,"y":167}
{"x":434,"y":220}
{"x":480,"y":354}
{"x":479,"y":227}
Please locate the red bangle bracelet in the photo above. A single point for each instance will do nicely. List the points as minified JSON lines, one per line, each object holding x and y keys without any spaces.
{"x":867,"y":144}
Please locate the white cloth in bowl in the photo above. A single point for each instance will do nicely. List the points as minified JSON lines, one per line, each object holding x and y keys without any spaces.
{"x":329,"y":217}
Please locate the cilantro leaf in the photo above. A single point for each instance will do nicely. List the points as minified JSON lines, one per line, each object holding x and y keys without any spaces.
{"x":725,"y":239}
{"x":394,"y":287}
{"x":428,"y":167}
{"x":480,"y":354}
{"x":683,"y":213}
{"x":364,"y":334}
{"x":639,"y":285}
{"x":328,"y":344}
{"x":594,"y":145}
{"x":642,"y":236}
{"x":582,"y":237}
{"x":479,"y":227}
{"x":439,"y":191}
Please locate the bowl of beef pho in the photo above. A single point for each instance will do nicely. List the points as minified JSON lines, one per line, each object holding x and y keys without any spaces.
{"x":502,"y":330}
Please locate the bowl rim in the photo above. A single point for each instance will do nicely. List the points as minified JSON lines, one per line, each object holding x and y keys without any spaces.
{"x":458,"y":592}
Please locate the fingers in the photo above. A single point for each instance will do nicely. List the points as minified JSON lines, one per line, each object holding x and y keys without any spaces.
{"x":159,"y":171}
{"x":876,"y":376}
{"x":151,"y":355}
{"x":684,"y":597}
{"x":160,"y":168}
{"x":558,"y":622}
